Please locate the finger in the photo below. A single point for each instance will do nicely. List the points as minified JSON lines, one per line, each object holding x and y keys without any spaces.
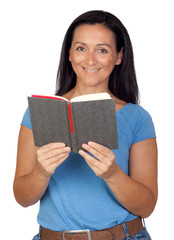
{"x":51,"y":146}
{"x":62,"y":159}
{"x":59,"y":158}
{"x":90,"y":160}
{"x":93,"y":151}
{"x":51,"y":168}
{"x":46,"y":164}
{"x":54,"y":153}
{"x":94,"y":164}
{"x":100,"y":148}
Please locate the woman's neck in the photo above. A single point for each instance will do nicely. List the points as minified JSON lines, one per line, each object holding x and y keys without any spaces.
{"x":77,"y":91}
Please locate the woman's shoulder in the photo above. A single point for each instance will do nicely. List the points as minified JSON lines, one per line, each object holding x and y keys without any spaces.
{"x":130,"y":108}
{"x":136,"y":110}
{"x":26,"y":121}
{"x":135,"y":115}
{"x":139,"y":121}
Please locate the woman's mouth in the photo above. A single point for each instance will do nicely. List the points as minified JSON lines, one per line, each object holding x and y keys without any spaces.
{"x":91,"y":70}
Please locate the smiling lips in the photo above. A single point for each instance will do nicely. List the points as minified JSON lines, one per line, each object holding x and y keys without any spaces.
{"x":91,"y":70}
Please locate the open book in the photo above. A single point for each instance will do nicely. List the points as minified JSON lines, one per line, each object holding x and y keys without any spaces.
{"x":85,"y":118}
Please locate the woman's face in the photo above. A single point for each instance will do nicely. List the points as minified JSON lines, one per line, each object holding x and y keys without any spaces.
{"x":93,"y":54}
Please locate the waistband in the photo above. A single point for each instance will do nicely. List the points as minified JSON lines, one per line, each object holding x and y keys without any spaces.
{"x":117,"y":232}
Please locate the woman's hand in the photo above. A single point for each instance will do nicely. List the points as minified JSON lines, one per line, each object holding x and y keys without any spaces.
{"x":50,"y":156}
{"x":103,"y":160}
{"x":35,"y":167}
{"x":136,"y":192}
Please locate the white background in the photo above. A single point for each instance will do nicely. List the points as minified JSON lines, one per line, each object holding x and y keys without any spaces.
{"x":30,"y":42}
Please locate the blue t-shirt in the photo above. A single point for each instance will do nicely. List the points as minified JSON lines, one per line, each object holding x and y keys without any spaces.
{"x":76,"y":198}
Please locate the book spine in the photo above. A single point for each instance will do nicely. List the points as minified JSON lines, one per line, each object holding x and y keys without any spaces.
{"x":73,"y":135}
{"x":70,"y":118}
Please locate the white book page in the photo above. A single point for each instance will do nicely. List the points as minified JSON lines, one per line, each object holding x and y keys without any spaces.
{"x":82,"y":98}
{"x":91,"y":97}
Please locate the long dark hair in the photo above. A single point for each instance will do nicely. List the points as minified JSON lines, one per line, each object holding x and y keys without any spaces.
{"x":122,"y":82}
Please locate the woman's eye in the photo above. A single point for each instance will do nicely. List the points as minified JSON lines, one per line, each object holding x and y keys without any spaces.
{"x":80,"y":49}
{"x":102,"y":50}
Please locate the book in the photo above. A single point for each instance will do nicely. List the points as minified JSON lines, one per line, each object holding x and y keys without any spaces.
{"x":90,"y":117}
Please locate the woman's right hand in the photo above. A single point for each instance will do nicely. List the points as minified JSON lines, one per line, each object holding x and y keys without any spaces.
{"x":50,"y":156}
{"x":35,"y":167}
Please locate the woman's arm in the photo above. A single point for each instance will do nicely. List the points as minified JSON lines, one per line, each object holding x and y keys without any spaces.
{"x":35,"y":167}
{"x":136,"y":192}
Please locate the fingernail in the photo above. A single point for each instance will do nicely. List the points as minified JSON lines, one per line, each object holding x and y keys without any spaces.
{"x":85,"y":145}
{"x":62,"y":144}
{"x":80,"y":152}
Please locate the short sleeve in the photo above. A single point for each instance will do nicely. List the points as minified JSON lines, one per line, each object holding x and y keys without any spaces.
{"x":144,"y":127}
{"x":26,"y":121}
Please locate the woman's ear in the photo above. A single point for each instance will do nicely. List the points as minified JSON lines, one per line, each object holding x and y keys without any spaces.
{"x":119,"y":57}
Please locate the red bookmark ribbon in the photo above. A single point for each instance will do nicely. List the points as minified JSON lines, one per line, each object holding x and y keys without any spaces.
{"x":70,"y":118}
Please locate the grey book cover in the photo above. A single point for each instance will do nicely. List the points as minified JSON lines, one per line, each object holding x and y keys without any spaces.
{"x":92,"y":121}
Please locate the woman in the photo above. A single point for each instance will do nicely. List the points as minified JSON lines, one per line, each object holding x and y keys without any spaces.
{"x":111,"y":194}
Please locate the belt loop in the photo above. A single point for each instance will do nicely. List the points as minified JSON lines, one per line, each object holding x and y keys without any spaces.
{"x":144,"y":224}
{"x":40,"y":232}
{"x":126,"y":231}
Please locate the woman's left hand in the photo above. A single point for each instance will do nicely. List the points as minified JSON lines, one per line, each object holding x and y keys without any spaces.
{"x":103,"y":160}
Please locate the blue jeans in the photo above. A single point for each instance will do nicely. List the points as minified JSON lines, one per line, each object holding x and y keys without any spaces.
{"x":143,"y":235}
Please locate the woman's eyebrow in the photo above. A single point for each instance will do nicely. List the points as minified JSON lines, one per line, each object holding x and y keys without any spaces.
{"x":99,"y":44}
{"x":104,"y":44}
{"x":80,"y":43}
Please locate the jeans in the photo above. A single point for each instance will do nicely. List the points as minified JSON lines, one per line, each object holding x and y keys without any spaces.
{"x":36,"y":237}
{"x":143,"y":235}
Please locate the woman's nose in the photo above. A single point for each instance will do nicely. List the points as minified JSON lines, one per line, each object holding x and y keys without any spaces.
{"x":91,"y":58}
